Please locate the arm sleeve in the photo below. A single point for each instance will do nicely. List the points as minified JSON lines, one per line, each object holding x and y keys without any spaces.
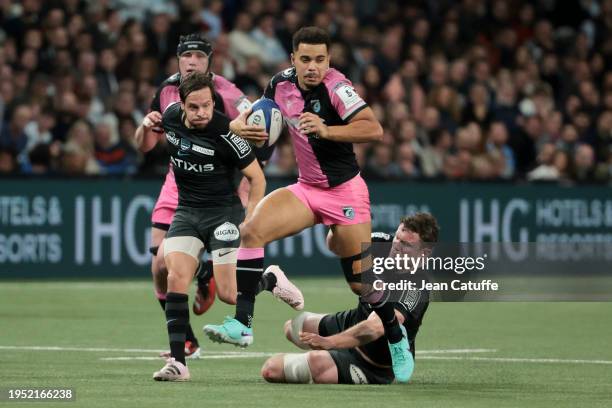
{"x":237,"y":151}
{"x":346,"y":100}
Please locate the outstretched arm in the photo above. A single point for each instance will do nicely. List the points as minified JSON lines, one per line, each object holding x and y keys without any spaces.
{"x":362,"y":333}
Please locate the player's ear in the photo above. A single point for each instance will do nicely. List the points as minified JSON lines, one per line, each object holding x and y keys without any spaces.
{"x":292,"y":60}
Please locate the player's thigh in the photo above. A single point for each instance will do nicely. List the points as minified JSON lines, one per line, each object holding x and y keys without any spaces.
{"x":351,"y":368}
{"x":181,"y":268}
{"x":157,"y":253}
{"x":322,"y":367}
{"x":348,"y":240}
{"x":157,"y":236}
{"x":278,"y":215}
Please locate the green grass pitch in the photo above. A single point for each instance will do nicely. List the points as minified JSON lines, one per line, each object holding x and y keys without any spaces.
{"x":470,"y":354}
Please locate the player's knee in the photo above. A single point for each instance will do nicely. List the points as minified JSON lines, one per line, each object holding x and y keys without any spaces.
{"x":356,"y":287}
{"x":250,"y":236}
{"x":272,"y":370}
{"x":287,"y":330}
{"x":318,"y":363}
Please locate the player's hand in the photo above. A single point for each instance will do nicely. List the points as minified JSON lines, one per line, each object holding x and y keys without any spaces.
{"x":312,"y":124}
{"x":254,"y":134}
{"x":152,"y":121}
{"x":316,"y":342}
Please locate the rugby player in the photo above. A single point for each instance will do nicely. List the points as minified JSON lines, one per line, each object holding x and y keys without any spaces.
{"x":325,"y":116}
{"x":194,"y":54}
{"x":349,"y":346}
{"x":204,"y":155}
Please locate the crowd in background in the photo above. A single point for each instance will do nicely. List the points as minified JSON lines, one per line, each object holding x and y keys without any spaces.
{"x":465,"y":90}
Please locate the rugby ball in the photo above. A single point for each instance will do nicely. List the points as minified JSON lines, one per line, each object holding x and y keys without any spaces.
{"x":266,"y":113}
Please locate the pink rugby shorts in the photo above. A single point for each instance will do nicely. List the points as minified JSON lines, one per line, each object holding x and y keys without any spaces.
{"x":346,"y":204}
{"x":166,"y":204}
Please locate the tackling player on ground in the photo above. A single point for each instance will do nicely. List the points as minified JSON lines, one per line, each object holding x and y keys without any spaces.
{"x":349,"y":346}
{"x":325,"y":115}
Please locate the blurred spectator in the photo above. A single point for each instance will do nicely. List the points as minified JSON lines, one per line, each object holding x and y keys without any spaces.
{"x":381,"y":164}
{"x":584,"y":164}
{"x":242,"y":44}
{"x":114,"y":156}
{"x":497,"y":143}
{"x":8,"y":161}
{"x":546,"y":169}
{"x":273,"y":53}
{"x":432,"y":157}
{"x":12,"y":134}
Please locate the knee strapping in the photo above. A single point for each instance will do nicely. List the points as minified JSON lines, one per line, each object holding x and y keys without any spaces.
{"x":296,"y":368}
{"x":297,"y":324}
{"x":347,"y":266}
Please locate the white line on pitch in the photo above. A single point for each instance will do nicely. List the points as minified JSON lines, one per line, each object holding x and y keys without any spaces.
{"x":104,"y":350}
{"x":456,"y":351}
{"x":518,"y":360}
{"x":133,"y":350}
{"x":207,"y":357}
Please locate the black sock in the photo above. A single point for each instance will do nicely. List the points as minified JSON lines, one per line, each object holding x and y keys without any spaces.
{"x":386,"y":313}
{"x":248,"y":274}
{"x":190,"y":335}
{"x":177,"y":320}
{"x":267,"y":282}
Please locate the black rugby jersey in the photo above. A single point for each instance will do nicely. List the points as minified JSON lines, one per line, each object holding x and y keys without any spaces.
{"x":205,"y":160}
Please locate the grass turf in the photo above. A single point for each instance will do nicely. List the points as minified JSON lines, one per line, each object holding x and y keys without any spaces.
{"x":125,"y":315}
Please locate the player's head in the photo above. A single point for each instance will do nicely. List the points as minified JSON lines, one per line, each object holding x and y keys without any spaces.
{"x":417,"y":231}
{"x":310,"y":55}
{"x":197,"y":101}
{"x":194,"y":54}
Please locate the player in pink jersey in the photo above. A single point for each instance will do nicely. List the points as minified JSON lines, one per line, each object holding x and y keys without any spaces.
{"x":325,"y":116}
{"x":194,"y":54}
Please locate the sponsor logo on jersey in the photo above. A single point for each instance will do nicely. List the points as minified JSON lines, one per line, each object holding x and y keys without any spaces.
{"x":240,"y":146}
{"x":349,"y":212}
{"x":185,"y":144}
{"x":171,"y":137}
{"x":316,"y":105}
{"x":227,"y":232}
{"x":192,"y":167}
{"x":202,"y":150}
{"x":381,"y":235}
{"x":410,"y":298}
{"x":348,"y":95}
{"x":357,"y":375}
{"x":242,"y":104}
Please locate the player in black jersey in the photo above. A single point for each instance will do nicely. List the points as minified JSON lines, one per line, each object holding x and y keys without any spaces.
{"x":204,"y":155}
{"x":349,"y":347}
